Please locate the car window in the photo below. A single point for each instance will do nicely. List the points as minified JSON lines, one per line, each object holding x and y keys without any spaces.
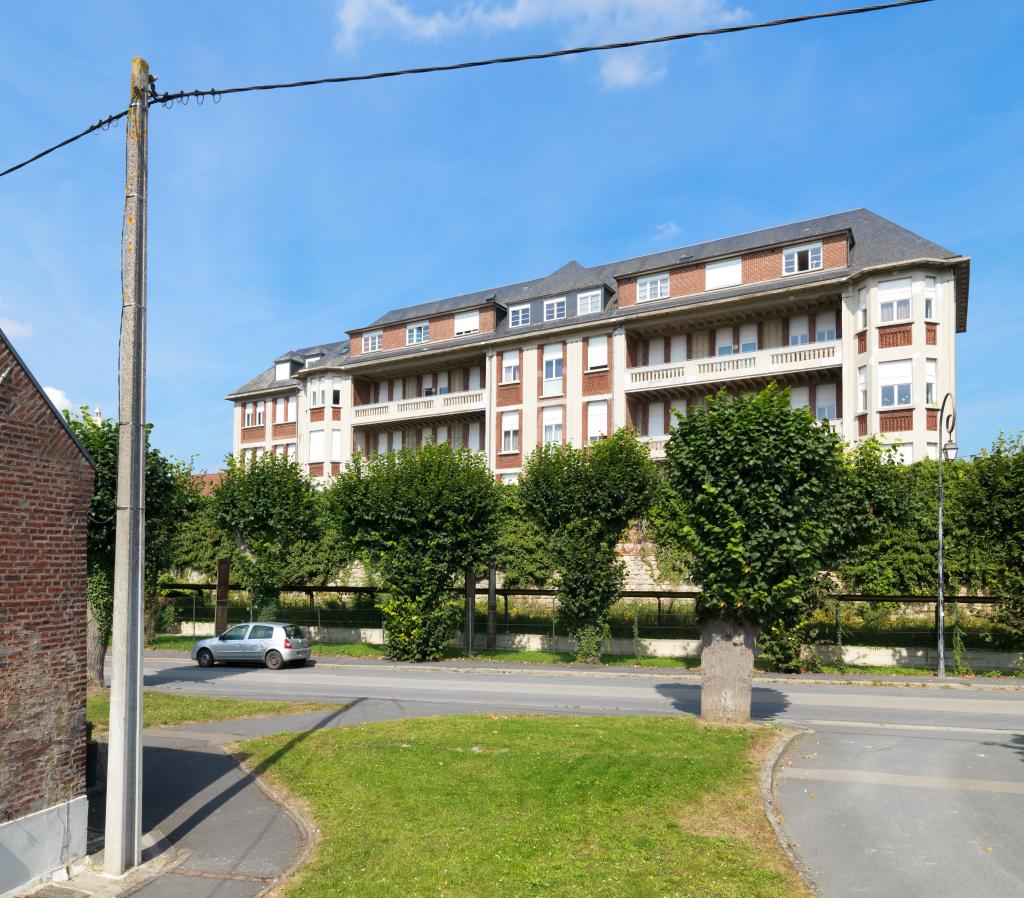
{"x":293,"y":632}
{"x":262,"y":633}
{"x":235,"y":632}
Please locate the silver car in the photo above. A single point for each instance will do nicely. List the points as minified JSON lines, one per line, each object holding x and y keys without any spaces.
{"x":270,"y":643}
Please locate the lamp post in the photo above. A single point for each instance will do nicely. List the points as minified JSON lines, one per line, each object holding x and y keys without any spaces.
{"x":947,"y":451}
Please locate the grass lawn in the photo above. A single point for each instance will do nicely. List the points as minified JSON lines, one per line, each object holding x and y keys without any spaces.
{"x":599,"y":807}
{"x":161,"y":709}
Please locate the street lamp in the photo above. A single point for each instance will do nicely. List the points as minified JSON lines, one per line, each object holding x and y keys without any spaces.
{"x":947,"y":451}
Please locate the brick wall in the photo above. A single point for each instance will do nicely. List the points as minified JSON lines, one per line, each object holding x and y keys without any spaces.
{"x":45,"y":488}
{"x":442,"y":327}
{"x":596,"y":383}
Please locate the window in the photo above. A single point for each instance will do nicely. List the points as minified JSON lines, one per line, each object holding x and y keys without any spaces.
{"x":930,"y":298}
{"x":799,"y":397}
{"x":510,"y":478}
{"x":510,"y":366}
{"x":824,"y":326}
{"x":316,"y":445}
{"x":554,"y":309}
{"x":723,"y":341}
{"x":895,"y":381}
{"x":654,"y":287}
{"x":748,"y":338}
{"x":261,"y":631}
{"x":335,"y":391}
{"x":597,"y":353}
{"x":862,"y":389}
{"x":282,"y":370}
{"x":249,"y":411}
{"x":260,"y":412}
{"x":235,"y":633}
{"x":930,"y":381}
{"x":552,"y":369}
{"x":442,"y":383}
{"x":317,"y":392}
{"x":894,"y":301}
{"x":290,"y":451}
{"x":801,"y":258}
{"x":373,"y":342}
{"x":825,"y":402}
{"x":417,"y":333}
{"x":310,"y":359}
{"x":551,"y":421}
{"x":335,"y":445}
{"x":932,"y":451}
{"x":467,"y":323}
{"x":904,"y":453}
{"x":510,"y":431}
{"x":727,"y":273}
{"x":518,"y":316}
{"x":862,"y":308}
{"x":258,"y":452}
{"x":798,"y":333}
{"x":588,"y":303}
{"x":597,"y":421}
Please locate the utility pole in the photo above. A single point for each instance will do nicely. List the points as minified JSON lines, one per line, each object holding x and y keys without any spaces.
{"x":123,"y":837}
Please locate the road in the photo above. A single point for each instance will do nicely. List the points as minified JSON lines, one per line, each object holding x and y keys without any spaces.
{"x":903,"y":790}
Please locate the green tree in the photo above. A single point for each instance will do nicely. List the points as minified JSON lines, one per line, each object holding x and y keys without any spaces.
{"x":521,"y":550}
{"x":584,"y":500}
{"x":420,"y":517}
{"x":753,"y":504}
{"x":170,"y":498}
{"x":273,"y":513}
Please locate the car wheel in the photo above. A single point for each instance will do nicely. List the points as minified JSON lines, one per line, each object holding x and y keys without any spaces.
{"x":274,"y":660}
{"x":205,"y":658}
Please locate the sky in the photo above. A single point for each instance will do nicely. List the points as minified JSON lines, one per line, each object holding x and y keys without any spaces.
{"x":280,"y":220}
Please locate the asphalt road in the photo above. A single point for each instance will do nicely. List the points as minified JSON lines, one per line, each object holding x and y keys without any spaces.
{"x":904,"y":790}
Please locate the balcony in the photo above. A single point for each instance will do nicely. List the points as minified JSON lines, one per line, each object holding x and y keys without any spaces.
{"x":446,"y":405}
{"x":749,"y":366}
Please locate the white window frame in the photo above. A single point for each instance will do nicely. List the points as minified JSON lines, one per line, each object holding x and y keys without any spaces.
{"x":309,"y":360}
{"x":519,"y":316}
{"x":335,"y":391}
{"x":282,"y":370}
{"x":552,"y":307}
{"x":249,"y":412}
{"x":862,"y":309}
{"x":803,"y":337}
{"x":588,"y":303}
{"x":896,"y":386}
{"x":931,"y":298}
{"x":862,"y":388}
{"x":417,"y":333}
{"x":291,"y":407}
{"x":373,"y":341}
{"x":822,"y":336}
{"x":723,"y":273}
{"x":551,"y":432}
{"x":791,"y":258}
{"x":509,"y":433}
{"x":553,"y":381}
{"x":826,"y":412}
{"x":317,"y":447}
{"x":336,"y":446}
{"x":895,"y":297}
{"x":661,"y":283}
{"x":724,"y":349}
{"x":747,"y":345}
{"x":260,"y":413}
{"x":470,"y":323}
{"x":931,"y":381}
{"x":510,"y":366}
{"x":602,"y":342}
{"x":602,"y":428}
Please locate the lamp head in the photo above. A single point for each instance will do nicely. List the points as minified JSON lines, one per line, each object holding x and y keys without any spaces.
{"x":949,"y":450}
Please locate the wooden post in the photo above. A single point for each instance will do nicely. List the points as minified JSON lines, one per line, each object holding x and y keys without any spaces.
{"x":492,"y":607}
{"x":220,"y":614}
{"x":123,"y":835}
{"x":467,"y":626}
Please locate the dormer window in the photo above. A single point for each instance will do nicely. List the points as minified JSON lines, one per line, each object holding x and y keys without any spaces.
{"x":373,"y":342}
{"x":417,"y":333}
{"x":588,"y":303}
{"x":726,"y":273}
{"x":311,"y":359}
{"x":653,"y":287}
{"x":797,"y":259}
{"x":282,"y":370}
{"x":467,"y":323}
{"x":518,"y":316}
{"x":554,"y":309}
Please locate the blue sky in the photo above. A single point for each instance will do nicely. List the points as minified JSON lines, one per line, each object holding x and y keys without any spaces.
{"x":279,"y":220}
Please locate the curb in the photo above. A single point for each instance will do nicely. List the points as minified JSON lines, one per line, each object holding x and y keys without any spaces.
{"x":771,"y":810}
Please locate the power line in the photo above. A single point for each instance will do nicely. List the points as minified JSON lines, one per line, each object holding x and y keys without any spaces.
{"x":184,"y":96}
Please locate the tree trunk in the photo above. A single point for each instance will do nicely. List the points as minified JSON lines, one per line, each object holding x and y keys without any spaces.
{"x":95,"y":649}
{"x":727,"y":670}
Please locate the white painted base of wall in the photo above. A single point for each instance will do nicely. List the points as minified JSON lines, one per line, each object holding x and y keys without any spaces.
{"x":976,"y":659}
{"x":42,"y":845}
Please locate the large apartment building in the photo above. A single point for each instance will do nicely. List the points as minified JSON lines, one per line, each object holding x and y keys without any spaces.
{"x":855,"y":314}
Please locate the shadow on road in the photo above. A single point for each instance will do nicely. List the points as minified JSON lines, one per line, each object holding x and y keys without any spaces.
{"x":766,"y":703}
{"x":190,"y":672}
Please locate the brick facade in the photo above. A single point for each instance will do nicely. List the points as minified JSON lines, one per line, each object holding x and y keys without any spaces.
{"x":46,"y":484}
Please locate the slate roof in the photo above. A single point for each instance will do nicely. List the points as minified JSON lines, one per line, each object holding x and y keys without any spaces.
{"x":874,"y":241}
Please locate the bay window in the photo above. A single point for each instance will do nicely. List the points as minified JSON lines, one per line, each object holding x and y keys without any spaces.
{"x":895,"y":383}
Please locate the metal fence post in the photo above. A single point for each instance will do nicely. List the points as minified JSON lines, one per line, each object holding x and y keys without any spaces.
{"x":193,"y":615}
{"x":467,"y":626}
{"x":492,"y":607}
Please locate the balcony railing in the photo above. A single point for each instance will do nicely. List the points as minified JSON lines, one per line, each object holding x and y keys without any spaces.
{"x":421,"y":407}
{"x":764,"y":363}
{"x":656,"y":444}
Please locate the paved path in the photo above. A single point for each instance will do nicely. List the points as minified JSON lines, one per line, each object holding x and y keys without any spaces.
{"x":901,"y":790}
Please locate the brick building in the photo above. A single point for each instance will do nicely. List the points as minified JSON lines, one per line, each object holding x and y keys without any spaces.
{"x":46,"y":484}
{"x":857,"y":315}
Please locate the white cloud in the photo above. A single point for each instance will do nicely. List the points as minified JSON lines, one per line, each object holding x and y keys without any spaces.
{"x":59,"y":398}
{"x":667,"y":230}
{"x":581,"y":21}
{"x":17,"y":330}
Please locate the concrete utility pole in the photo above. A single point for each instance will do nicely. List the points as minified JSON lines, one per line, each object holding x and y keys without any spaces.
{"x":122,"y":845}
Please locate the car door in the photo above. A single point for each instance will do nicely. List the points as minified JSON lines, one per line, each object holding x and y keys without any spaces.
{"x":261,"y":637}
{"x":231,"y":644}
